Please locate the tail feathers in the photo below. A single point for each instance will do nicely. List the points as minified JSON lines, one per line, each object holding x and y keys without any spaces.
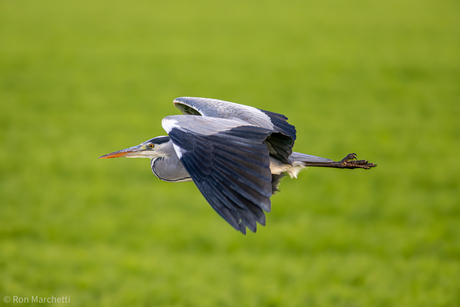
{"x":298,"y":162}
{"x":298,"y":157}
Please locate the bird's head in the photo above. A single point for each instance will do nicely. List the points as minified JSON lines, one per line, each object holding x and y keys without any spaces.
{"x":151,"y":149}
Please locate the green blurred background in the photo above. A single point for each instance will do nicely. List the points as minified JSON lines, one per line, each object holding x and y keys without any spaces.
{"x":79,"y":79}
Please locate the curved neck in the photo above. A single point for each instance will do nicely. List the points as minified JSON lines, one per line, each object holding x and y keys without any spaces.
{"x":170,"y":169}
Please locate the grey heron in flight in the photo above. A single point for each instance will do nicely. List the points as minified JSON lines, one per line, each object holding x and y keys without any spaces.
{"x":235,"y":154}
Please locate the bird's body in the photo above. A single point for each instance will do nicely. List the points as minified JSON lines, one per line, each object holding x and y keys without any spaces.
{"x":235,"y":154}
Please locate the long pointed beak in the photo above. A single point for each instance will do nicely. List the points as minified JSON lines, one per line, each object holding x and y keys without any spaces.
{"x":130,"y":152}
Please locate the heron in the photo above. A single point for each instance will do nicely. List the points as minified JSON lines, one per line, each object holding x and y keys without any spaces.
{"x":235,"y":154}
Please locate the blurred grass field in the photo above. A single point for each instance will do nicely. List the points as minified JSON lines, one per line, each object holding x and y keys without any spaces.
{"x":79,"y":79}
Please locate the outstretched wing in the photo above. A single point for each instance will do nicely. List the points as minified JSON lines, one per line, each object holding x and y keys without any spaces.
{"x":229,"y":163}
{"x":280,"y":144}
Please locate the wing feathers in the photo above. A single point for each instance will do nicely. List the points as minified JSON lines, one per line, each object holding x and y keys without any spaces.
{"x":226,"y":152}
{"x":231,"y":167}
{"x":280,"y":124}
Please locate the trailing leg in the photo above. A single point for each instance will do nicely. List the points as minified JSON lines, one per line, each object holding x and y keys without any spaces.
{"x":350,"y":161}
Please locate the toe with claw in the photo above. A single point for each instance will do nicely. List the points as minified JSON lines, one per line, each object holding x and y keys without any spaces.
{"x":351,"y":161}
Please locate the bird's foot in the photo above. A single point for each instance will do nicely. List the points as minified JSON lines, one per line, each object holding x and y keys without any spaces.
{"x":351,"y":161}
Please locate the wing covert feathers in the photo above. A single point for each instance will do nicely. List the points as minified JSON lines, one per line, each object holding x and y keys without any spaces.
{"x":230,"y":166}
{"x":226,"y":152}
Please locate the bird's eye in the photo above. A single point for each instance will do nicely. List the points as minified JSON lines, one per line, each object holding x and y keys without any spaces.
{"x":151,"y":145}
